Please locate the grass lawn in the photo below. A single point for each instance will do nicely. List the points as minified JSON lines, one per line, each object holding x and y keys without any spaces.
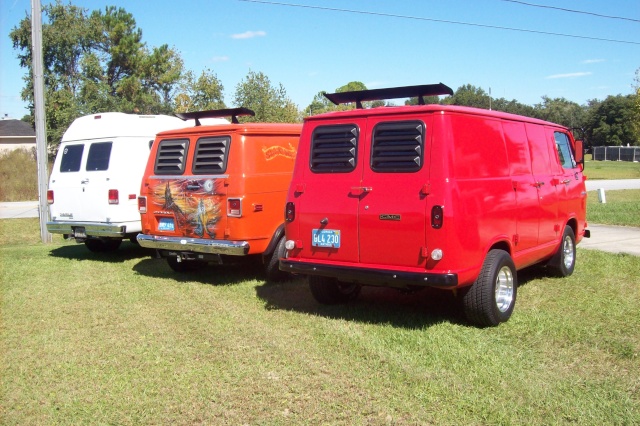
{"x":121,"y":339}
{"x":622,"y":208}
{"x":611,"y":169}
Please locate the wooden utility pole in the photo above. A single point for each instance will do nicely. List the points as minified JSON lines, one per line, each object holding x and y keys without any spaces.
{"x":41,"y":130}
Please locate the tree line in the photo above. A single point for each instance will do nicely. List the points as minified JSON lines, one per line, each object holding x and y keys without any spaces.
{"x":96,"y":61}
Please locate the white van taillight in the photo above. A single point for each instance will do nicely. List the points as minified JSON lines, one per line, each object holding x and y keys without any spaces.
{"x":290,"y":212}
{"x":437,"y":217}
{"x":142,"y":204}
{"x":234,"y":207}
{"x":50,"y":196}
{"x":113,"y":196}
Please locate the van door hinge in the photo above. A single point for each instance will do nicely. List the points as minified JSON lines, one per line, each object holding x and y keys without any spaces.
{"x":227,"y":232}
{"x":556,"y":228}
{"x":516,"y":239}
{"x":300,"y":187}
{"x":424,"y":252}
{"x":426,"y":189}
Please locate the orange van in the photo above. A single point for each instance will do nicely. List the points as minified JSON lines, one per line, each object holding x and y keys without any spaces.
{"x":432,"y":195}
{"x":216,"y":193}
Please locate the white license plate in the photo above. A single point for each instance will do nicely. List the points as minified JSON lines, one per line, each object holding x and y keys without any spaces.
{"x":166,"y":224}
{"x":325,"y":238}
{"x":79,"y":232}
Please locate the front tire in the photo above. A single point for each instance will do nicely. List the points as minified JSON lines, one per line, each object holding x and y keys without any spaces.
{"x":330,"y":291}
{"x":492,"y":297}
{"x":563,"y":262}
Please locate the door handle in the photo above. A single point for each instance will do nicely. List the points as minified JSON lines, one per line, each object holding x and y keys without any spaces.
{"x":83,"y":181}
{"x":359,"y":190}
{"x":538,"y":184}
{"x":566,"y":181}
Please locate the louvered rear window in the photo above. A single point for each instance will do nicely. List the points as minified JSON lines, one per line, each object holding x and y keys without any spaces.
{"x":171,"y":156}
{"x":398,"y":147}
{"x":334,"y":149}
{"x":211,"y":155}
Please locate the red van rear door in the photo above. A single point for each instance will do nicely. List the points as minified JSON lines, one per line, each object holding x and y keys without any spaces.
{"x":392,"y":195}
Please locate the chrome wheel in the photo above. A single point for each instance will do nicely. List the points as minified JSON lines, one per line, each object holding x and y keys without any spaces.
{"x":568,"y":252}
{"x":504,"y":289}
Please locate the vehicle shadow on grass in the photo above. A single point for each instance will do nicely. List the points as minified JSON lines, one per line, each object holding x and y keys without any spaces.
{"x":377,"y":305}
{"x":127,"y":251}
{"x":210,"y":274}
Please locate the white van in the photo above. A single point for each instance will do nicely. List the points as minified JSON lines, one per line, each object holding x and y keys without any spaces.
{"x":95,"y":181}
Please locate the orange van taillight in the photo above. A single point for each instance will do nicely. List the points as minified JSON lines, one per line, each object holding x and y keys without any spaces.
{"x":50,"y":196}
{"x":234,"y":207}
{"x":113,"y":196}
{"x":142,"y":204}
{"x":436,"y":217}
{"x":290,"y":212}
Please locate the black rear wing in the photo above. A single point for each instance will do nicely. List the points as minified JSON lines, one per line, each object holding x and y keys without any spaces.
{"x":234,"y":113}
{"x":360,"y":96}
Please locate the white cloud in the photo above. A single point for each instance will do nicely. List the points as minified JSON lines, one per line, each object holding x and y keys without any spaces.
{"x":569,"y":75}
{"x":248,"y":34}
{"x":592,"y":61}
{"x":220,"y":59}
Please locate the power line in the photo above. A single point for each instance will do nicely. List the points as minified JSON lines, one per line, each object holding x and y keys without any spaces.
{"x":443,"y":21}
{"x":572,"y":10}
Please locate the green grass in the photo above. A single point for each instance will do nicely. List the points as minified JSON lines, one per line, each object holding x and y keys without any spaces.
{"x":622,"y":208}
{"x":120,"y":339}
{"x":612,"y":170}
{"x":19,"y":176}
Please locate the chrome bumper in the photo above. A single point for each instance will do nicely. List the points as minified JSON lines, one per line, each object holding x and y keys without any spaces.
{"x":95,"y":229}
{"x":198,"y":245}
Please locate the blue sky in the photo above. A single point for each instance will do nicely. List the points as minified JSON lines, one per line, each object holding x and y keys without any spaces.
{"x":382,"y":43}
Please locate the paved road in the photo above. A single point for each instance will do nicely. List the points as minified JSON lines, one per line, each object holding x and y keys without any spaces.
{"x":18,"y":209}
{"x":607,"y":238}
{"x":593,"y":185}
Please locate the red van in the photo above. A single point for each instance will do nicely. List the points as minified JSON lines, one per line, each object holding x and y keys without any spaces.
{"x":432,"y":195}
{"x":215,"y":193}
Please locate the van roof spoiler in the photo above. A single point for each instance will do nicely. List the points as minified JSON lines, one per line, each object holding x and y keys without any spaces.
{"x":215,"y":113}
{"x":390,"y":93}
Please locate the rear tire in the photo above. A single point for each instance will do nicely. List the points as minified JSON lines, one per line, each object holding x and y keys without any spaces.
{"x":98,"y":245}
{"x":272,"y":263}
{"x":330,"y":291}
{"x":492,"y":297}
{"x":563,"y":262}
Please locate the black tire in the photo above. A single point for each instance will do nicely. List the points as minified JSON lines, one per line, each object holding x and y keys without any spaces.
{"x":563,"y":262}
{"x":330,"y":291}
{"x":185,"y":265}
{"x":482,"y":306}
{"x":272,"y":263}
{"x":98,"y":245}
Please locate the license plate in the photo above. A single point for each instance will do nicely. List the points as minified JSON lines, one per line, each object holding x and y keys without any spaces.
{"x":325,"y":238}
{"x":166,"y":224}
{"x":79,"y":232}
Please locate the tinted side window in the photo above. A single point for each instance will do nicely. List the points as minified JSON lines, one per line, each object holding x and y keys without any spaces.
{"x":98,"y":158}
{"x":397,"y":147}
{"x":71,"y":158}
{"x":171,"y":156}
{"x":334,"y":149}
{"x":564,"y":150}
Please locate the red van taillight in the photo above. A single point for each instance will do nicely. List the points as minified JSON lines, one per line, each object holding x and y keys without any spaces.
{"x":142,"y":204}
{"x":290,"y":212}
{"x":113,"y":196}
{"x":436,"y":217}
{"x":234,"y":207}
{"x":50,"y":196}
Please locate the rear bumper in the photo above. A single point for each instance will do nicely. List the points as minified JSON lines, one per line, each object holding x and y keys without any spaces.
{"x":370,"y":276}
{"x":94,"y":229}
{"x":198,"y":245}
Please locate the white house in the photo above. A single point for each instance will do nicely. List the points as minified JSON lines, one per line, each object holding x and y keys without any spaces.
{"x":16,"y":134}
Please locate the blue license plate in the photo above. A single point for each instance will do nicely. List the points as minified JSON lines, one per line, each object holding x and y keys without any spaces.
{"x":325,"y":238}
{"x":166,"y":224}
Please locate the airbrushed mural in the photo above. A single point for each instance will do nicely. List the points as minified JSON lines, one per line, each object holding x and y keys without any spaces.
{"x":195,"y":204}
